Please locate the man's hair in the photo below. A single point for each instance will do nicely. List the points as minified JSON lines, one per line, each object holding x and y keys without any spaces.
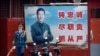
{"x":40,"y":9}
{"x":20,"y":24}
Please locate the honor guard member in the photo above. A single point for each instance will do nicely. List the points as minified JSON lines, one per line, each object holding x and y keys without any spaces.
{"x":20,"y":40}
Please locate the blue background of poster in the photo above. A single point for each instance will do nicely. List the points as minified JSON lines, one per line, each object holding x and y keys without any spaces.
{"x":52,"y":19}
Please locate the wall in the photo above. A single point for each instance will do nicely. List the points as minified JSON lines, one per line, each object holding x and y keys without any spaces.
{"x":7,"y":28}
{"x":95,"y":27}
{"x":3,"y":36}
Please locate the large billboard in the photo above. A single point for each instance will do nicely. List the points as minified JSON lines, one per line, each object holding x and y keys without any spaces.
{"x":68,"y":23}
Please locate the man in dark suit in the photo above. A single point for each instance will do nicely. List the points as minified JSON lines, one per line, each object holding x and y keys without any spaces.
{"x":40,"y":30}
{"x":20,"y":40}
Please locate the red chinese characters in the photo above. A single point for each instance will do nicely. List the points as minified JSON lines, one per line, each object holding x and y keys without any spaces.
{"x":62,"y":38}
{"x":79,"y":14}
{"x":61,"y":26}
{"x":70,"y":14}
{"x":70,"y":26}
{"x":70,"y":38}
{"x":61,"y":14}
{"x":79,"y":27}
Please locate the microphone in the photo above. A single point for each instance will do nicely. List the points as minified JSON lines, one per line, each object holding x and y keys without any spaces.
{"x":57,"y":52}
{"x":56,"y":48}
{"x":46,"y":51}
{"x":36,"y":52}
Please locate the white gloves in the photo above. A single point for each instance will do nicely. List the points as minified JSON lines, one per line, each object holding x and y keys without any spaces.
{"x":45,"y":35}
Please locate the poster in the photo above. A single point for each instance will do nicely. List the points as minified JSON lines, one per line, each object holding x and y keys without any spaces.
{"x":68,"y":23}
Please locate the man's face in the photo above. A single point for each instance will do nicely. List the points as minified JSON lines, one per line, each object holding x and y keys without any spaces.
{"x":20,"y":27}
{"x":40,"y":16}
